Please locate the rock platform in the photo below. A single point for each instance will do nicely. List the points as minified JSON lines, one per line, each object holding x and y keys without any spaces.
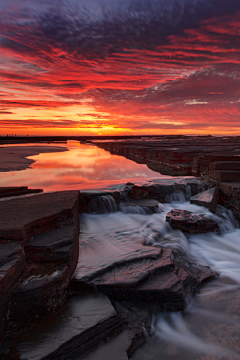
{"x":215,"y":159}
{"x":65,"y":297}
{"x":36,"y":263}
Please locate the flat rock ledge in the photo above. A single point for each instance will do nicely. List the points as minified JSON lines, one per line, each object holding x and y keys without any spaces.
{"x":81,"y":324}
{"x":40,"y":263}
{"x":147,"y":196}
{"x":191,"y":223}
{"x":161,"y":279}
{"x":39,"y":248}
{"x":208,"y":199}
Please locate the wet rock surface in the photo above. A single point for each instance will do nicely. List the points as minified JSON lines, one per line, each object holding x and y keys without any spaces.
{"x":134,"y":206}
{"x":158,"y":191}
{"x":35,"y":271}
{"x":191,"y":223}
{"x":120,"y":270}
{"x":42,"y":289}
{"x":82,"y":323}
{"x":158,"y":280}
{"x":208,"y":198}
{"x":12,"y":265}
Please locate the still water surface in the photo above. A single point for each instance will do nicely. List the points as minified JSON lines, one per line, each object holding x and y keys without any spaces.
{"x":81,"y":167}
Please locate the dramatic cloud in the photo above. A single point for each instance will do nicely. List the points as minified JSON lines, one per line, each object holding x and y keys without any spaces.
{"x":120,"y":66}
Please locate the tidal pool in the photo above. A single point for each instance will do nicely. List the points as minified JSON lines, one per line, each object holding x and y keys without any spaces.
{"x":80,"y":167}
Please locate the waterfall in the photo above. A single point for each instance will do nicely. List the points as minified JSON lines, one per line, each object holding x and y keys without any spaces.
{"x":103,"y":204}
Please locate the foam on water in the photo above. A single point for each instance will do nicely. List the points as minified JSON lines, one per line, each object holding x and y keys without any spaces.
{"x":209,"y":327}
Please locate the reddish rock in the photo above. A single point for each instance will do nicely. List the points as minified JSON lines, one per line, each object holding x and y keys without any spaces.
{"x":208,"y":198}
{"x":191,"y":223}
{"x":42,"y":289}
{"x":163,"y":281}
{"x":23,"y":218}
{"x":12,"y":265}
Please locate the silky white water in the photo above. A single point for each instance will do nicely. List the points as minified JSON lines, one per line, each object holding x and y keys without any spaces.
{"x":209,"y":327}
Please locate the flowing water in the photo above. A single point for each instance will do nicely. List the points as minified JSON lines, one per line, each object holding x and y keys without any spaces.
{"x":209,"y":327}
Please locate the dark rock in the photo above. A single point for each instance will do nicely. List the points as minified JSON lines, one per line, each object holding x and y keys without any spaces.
{"x":12,"y":264}
{"x":196,"y":184}
{"x":208,"y":198}
{"x":23,"y":218}
{"x":138,"y":192}
{"x":137,"y":341}
{"x":43,"y":289}
{"x":17,"y":191}
{"x":226,"y":175}
{"x":158,"y":191}
{"x":99,"y":202}
{"x":131,"y":274}
{"x":160,"y":281}
{"x":95,"y":262}
{"x":229,"y":196}
{"x":73,"y":330}
{"x":191,"y":223}
{"x":58,"y":245}
{"x":144,"y":206}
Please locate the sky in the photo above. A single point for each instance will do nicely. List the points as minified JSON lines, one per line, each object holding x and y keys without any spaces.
{"x":119,"y":67}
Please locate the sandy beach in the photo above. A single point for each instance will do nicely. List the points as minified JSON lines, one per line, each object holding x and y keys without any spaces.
{"x":15,"y":158}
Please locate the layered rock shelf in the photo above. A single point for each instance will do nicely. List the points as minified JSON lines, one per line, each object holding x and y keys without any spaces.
{"x":71,"y":300}
{"x":215,"y":159}
{"x":39,"y":246}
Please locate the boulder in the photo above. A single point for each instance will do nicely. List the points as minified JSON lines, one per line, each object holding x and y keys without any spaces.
{"x":208,"y":198}
{"x":191,"y":223}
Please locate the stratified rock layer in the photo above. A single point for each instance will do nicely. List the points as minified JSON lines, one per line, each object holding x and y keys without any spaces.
{"x":208,"y":198}
{"x":82,"y":323}
{"x":12,"y":264}
{"x":191,"y":223}
{"x":23,"y":218}
{"x":39,"y":247}
{"x":155,"y":280}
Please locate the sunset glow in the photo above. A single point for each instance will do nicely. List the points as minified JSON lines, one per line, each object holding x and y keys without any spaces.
{"x":119,"y":67}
